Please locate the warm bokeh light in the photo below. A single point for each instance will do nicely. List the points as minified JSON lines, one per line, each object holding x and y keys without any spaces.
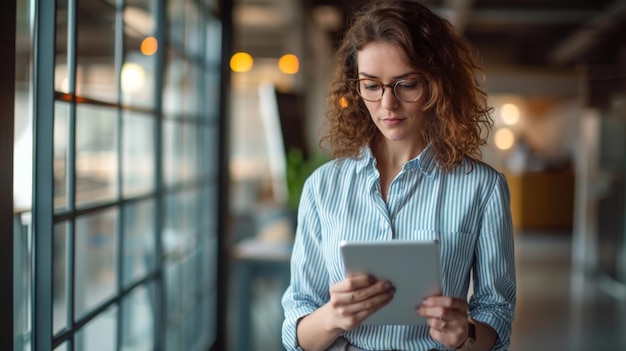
{"x":343,"y":102}
{"x":149,"y":46}
{"x":289,"y":64}
{"x":133,"y":77}
{"x":241,"y":62}
{"x":504,"y":139}
{"x":509,"y":113}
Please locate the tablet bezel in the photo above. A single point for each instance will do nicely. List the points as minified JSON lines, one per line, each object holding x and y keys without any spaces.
{"x":412,"y":266}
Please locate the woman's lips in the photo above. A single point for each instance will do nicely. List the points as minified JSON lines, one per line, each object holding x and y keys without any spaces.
{"x":392,"y":121}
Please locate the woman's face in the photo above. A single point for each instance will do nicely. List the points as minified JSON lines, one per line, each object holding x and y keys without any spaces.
{"x":397,"y":120}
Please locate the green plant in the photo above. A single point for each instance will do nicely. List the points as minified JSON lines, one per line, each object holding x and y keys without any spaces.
{"x":298,"y":170}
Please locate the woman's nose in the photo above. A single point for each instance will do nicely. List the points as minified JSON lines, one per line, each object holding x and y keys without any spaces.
{"x":389,"y":100}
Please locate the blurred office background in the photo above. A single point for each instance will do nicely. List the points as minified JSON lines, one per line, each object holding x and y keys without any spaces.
{"x":153,"y":152}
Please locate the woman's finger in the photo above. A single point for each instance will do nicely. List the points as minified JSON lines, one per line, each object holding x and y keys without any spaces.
{"x":366,"y":307}
{"x":447,"y":302}
{"x":353,"y":282}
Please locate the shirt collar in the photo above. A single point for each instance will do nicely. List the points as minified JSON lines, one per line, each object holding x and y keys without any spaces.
{"x":425,"y":161}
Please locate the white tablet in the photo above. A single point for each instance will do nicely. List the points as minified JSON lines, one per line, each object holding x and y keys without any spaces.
{"x":413,"y":267}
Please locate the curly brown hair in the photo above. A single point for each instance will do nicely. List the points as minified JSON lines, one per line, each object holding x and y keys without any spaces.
{"x":458,"y":119}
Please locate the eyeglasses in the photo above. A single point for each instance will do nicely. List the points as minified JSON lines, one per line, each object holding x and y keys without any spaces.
{"x":406,"y":90}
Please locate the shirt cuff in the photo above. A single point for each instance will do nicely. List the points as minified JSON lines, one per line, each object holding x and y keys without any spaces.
{"x":500,"y":326}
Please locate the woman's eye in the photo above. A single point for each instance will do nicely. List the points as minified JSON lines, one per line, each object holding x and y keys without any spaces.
{"x":407,"y":85}
{"x":371,"y":86}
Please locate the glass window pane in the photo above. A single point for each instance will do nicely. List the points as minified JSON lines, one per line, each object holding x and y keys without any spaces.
{"x":191,"y":200}
{"x":139,"y":240}
{"x":61,"y":73}
{"x":189,"y":159}
{"x":23,"y":144}
{"x":211,"y":97}
{"x":22,"y":177}
{"x":63,"y":347}
{"x":95,"y":59}
{"x":173,"y":285}
{"x":181,"y":223}
{"x":138,"y":80}
{"x":176,"y":71}
{"x":191,"y":328}
{"x":209,"y":265}
{"x":138,"y":320}
{"x":22,"y":280}
{"x":61,"y":145}
{"x":140,"y":48}
{"x":193,"y":39}
{"x":209,"y":323}
{"x":100,"y":333}
{"x":172,"y":339}
{"x":96,"y":260}
{"x":60,"y":269}
{"x":175,"y":225}
{"x":190,"y":85}
{"x":96,"y":156}
{"x":210,"y":150}
{"x":208,"y":210}
{"x":138,"y":153}
{"x":175,"y":23}
{"x":172,"y":141}
{"x":213,"y":40}
{"x":190,"y":281}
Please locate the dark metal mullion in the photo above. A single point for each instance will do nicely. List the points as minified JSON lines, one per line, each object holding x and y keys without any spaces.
{"x":119,"y":61}
{"x":67,"y":215}
{"x":226,"y":8}
{"x":43,"y":185}
{"x":159,"y":77}
{"x":71,"y":161}
{"x":201,"y":232}
{"x":11,"y":273}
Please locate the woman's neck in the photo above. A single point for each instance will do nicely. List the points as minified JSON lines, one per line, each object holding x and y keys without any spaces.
{"x":395,"y":154}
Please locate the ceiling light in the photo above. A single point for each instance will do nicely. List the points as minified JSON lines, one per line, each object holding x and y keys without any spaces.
{"x":289,"y":64}
{"x":504,"y":139}
{"x":509,"y":113}
{"x":149,"y":46}
{"x":241,"y":62}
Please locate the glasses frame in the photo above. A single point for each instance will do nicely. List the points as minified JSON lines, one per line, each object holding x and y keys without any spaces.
{"x":391,"y":85}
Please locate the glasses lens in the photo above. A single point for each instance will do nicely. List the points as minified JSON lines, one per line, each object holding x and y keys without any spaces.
{"x":369,"y":89}
{"x":408,"y":90}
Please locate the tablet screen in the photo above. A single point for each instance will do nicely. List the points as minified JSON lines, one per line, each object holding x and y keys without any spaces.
{"x":412,"y":267}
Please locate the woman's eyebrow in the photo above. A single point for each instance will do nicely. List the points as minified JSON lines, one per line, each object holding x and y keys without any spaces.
{"x":404,"y":75}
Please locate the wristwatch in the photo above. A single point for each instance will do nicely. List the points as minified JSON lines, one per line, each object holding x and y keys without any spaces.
{"x":471,"y":337}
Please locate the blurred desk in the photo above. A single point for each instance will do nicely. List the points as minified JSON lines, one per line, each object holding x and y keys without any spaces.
{"x":253,"y":258}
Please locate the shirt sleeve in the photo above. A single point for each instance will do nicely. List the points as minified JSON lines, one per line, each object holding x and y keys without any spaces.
{"x":494,"y":298}
{"x":308,"y":289}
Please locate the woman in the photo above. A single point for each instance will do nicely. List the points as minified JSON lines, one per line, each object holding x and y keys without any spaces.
{"x":406,"y":120}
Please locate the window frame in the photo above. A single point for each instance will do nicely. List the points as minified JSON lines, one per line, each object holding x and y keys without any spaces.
{"x":44,"y":214}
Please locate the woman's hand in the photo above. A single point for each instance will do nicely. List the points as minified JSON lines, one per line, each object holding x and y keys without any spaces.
{"x":447,"y":318}
{"x":357,"y":297}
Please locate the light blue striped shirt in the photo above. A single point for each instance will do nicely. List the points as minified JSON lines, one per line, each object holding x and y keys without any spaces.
{"x":467,"y":212}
